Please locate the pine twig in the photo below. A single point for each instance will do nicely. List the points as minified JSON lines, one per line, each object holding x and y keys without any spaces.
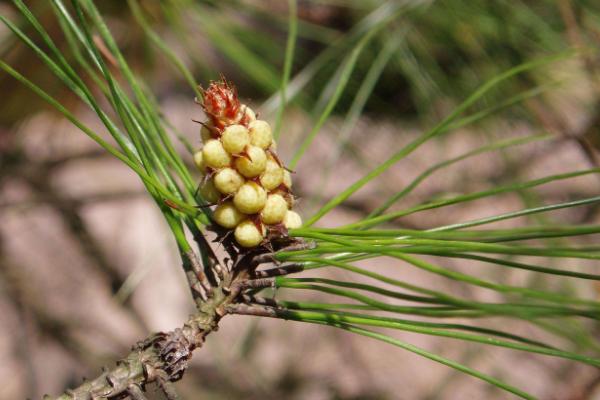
{"x":163,"y":357}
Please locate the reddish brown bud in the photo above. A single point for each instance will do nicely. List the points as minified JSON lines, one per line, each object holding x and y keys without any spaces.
{"x":221,"y":103}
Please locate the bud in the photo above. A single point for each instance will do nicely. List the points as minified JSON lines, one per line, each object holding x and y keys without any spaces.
{"x":260,"y":134}
{"x":273,"y":175}
{"x":247,"y":234}
{"x":199,"y":161}
{"x":289,"y":198}
{"x":235,"y":138}
{"x":221,"y":102}
{"x":209,"y":192}
{"x":292,"y":220}
{"x":275,"y":209}
{"x":287,"y":179}
{"x":228,"y":181}
{"x":252,"y":165}
{"x":250,"y":198}
{"x":214,"y":154}
{"x":227,"y":215}
{"x":247,"y":180}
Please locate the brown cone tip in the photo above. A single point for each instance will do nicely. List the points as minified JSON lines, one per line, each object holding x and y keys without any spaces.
{"x":221,"y":102}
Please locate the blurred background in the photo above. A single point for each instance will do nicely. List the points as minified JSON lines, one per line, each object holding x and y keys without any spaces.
{"x":88,"y":267}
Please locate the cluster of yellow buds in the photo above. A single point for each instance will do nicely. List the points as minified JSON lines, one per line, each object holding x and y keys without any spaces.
{"x":243,"y":176}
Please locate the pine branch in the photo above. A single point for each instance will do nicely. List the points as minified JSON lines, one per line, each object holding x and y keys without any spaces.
{"x":163,"y":357}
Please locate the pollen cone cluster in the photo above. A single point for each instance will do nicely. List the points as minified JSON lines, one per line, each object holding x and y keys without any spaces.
{"x":242,"y":175}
